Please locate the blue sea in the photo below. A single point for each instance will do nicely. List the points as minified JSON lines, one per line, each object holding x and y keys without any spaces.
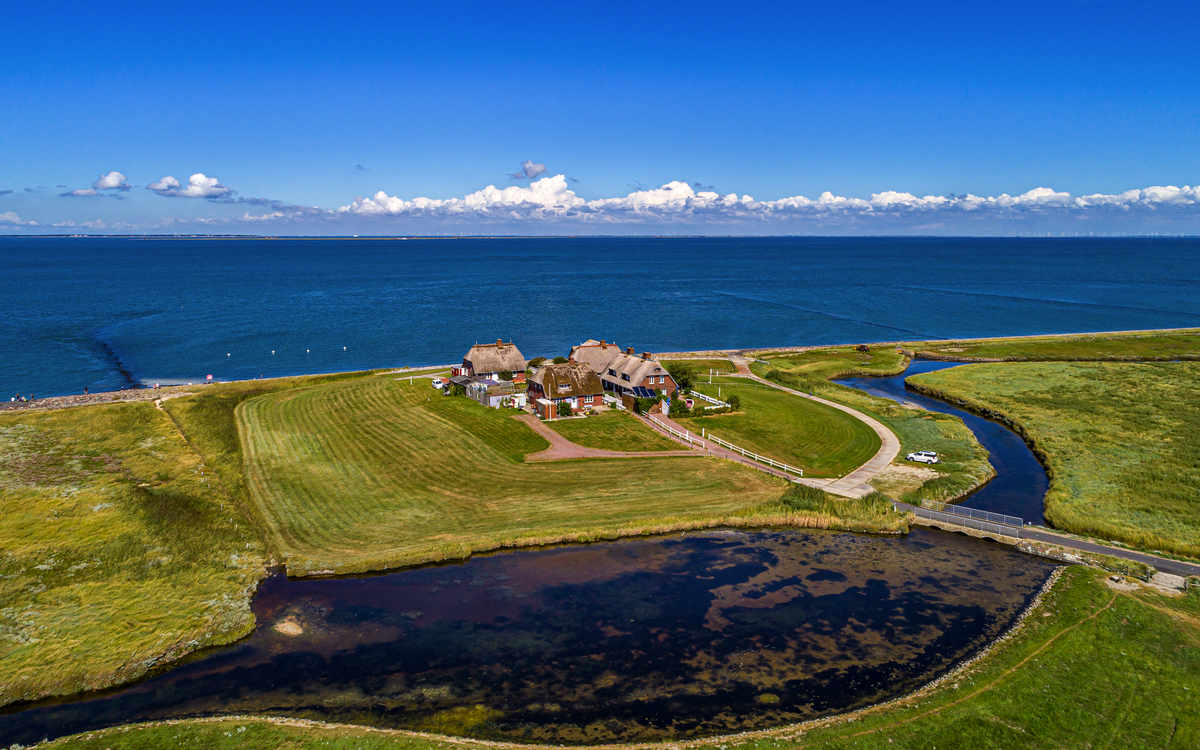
{"x":110,"y":313}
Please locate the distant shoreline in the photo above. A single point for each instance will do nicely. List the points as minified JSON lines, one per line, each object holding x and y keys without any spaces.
{"x":175,"y":388}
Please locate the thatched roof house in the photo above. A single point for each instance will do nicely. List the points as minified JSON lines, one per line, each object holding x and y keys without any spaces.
{"x":571,"y":381}
{"x":622,"y":371}
{"x":489,"y":360}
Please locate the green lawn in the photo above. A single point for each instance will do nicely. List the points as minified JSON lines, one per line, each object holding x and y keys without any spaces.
{"x":964,"y":464}
{"x":375,"y":473}
{"x":1120,"y":440}
{"x":819,"y":439}
{"x":1131,"y":345}
{"x":835,"y":362}
{"x":118,"y":548}
{"x":1093,"y":668}
{"x":702,"y":366}
{"x":614,"y":431}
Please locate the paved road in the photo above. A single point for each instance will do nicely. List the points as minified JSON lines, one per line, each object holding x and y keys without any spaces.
{"x":1161,"y":564}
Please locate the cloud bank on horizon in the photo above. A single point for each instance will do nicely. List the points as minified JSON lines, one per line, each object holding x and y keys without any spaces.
{"x":551,"y":200}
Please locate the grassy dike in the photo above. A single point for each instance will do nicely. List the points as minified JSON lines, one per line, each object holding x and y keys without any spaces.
{"x":1121,"y":346}
{"x":1119,"y":441}
{"x":1090,"y":667}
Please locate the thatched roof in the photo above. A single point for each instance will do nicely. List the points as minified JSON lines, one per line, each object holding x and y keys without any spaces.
{"x":497,"y":357}
{"x":602,"y":358}
{"x":567,"y":380}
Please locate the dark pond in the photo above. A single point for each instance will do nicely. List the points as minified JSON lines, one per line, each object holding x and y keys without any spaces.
{"x":666,"y":637}
{"x":1019,"y":488}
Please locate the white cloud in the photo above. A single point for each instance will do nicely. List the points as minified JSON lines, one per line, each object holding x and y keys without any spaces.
{"x":88,"y":193}
{"x":10,"y":219}
{"x":111,"y":181}
{"x":198,"y":186}
{"x":551,"y":200}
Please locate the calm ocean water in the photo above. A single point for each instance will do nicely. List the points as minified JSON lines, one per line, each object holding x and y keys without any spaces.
{"x":104,"y":312}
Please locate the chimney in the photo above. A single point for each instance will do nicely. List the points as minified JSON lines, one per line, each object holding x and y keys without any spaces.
{"x":645,"y":355}
{"x":499,"y":342}
{"x":603,"y":344}
{"x":629,"y":351}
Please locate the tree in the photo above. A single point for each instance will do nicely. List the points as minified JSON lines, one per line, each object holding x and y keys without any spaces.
{"x":681,"y":372}
{"x":560,"y":360}
{"x":679,"y":407}
{"x":506,"y":375}
{"x":564,"y":409}
{"x":733,"y":401}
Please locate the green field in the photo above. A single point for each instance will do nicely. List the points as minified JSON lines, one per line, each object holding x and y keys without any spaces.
{"x":1120,"y":441}
{"x":375,"y":473}
{"x":1132,"y":345}
{"x":819,"y":439}
{"x":1093,"y":668}
{"x":835,"y":362}
{"x":120,"y":549}
{"x":614,"y":431}
{"x":702,"y":366}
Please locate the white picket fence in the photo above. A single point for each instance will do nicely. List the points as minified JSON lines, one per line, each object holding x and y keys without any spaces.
{"x":709,"y":399}
{"x":681,"y":435}
{"x":755,"y":457}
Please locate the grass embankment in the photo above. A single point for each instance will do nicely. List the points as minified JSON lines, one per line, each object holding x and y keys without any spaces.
{"x":120,"y":550}
{"x":374,"y":474}
{"x":819,"y":439}
{"x":1092,"y":667}
{"x":702,"y":366}
{"x":836,"y":362}
{"x":964,"y":464}
{"x":614,"y":431}
{"x":1118,"y":440}
{"x":1126,"y":345}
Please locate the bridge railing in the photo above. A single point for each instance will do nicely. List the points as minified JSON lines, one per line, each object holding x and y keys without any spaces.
{"x":982,"y":515}
{"x":966,"y":522}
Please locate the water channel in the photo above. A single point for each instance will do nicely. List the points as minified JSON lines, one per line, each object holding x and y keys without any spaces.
{"x":668,"y":637}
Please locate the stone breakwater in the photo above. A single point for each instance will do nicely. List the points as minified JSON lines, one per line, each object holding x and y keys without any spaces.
{"x":104,"y":397}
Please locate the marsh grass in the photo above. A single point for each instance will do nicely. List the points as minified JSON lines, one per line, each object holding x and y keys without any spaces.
{"x":120,"y":550}
{"x":819,"y":439}
{"x":614,"y":431}
{"x":1120,"y":441}
{"x":1091,"y":667}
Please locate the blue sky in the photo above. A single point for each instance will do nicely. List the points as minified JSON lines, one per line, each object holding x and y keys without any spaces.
{"x":314,"y":105}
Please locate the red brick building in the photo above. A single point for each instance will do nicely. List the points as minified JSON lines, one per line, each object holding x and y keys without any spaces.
{"x":621,"y":372}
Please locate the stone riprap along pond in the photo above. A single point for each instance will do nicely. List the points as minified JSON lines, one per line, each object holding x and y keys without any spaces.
{"x":677,"y":636}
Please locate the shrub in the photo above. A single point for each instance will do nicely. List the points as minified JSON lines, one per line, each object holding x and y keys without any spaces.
{"x":681,"y":372}
{"x":559,"y":360}
{"x":679,"y":408}
{"x":564,"y":409}
{"x":506,"y":375}
{"x":734,"y":402}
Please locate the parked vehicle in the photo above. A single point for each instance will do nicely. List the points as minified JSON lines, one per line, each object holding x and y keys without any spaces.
{"x":924,"y":457}
{"x":438,"y":383}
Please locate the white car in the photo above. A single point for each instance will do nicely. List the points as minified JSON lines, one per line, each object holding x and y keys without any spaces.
{"x":925,"y":457}
{"x":438,"y":382}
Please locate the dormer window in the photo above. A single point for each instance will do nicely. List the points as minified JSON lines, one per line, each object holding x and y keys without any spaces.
{"x":613,"y":373}
{"x":624,"y":376}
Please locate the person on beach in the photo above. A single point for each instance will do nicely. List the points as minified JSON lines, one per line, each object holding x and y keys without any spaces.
{"x":85,"y":390}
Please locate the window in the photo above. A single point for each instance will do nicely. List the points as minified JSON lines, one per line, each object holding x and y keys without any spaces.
{"x":613,"y":373}
{"x":624,"y":376}
{"x":662,"y":378}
